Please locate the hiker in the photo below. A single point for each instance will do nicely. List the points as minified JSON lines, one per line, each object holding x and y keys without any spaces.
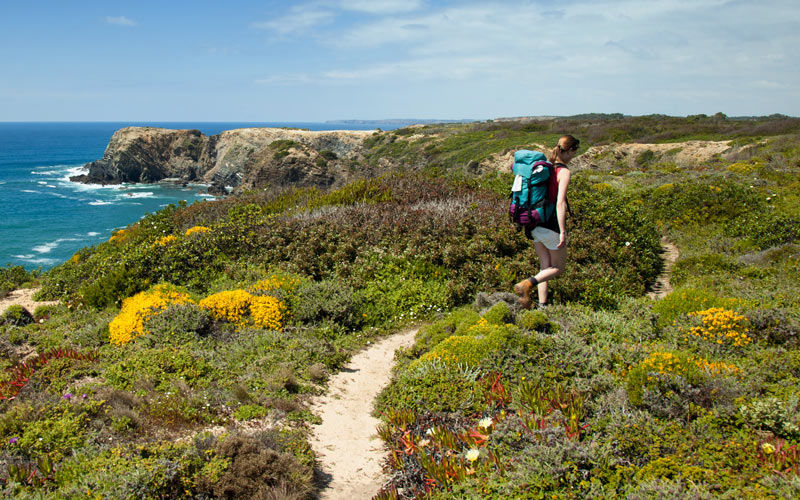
{"x":550,"y":237}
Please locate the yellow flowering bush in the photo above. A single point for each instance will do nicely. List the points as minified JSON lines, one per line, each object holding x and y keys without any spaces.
{"x":670,"y":363}
{"x":166,"y":240}
{"x":482,"y":339}
{"x":136,"y":310}
{"x":231,"y":306}
{"x":120,"y":236}
{"x":267,"y":312}
{"x":746,"y":167}
{"x":662,"y":368}
{"x":275,"y":282}
{"x":720,"y":327}
{"x":243,"y":309}
{"x":197,"y":229}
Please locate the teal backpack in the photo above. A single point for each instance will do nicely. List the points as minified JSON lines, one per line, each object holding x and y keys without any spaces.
{"x":530,"y":205}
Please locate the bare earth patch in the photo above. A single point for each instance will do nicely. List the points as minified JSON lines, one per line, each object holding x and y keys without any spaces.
{"x":24,"y":298}
{"x":346,"y":443}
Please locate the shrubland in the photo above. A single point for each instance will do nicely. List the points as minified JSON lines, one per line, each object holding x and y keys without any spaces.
{"x":185,"y":348}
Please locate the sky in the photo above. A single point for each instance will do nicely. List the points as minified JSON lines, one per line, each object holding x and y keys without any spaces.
{"x":317,"y":60}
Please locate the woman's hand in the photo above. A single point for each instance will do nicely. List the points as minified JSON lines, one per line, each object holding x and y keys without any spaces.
{"x":562,"y":239}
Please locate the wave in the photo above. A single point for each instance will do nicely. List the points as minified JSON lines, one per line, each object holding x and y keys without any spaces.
{"x":41,"y":260}
{"x":48,"y":247}
{"x":146,"y":194}
{"x":100,"y":202}
{"x":92,"y":233}
{"x":24,"y":257}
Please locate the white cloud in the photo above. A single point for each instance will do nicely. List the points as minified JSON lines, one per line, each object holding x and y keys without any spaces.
{"x":440,"y":68}
{"x":299,"y":19}
{"x":121,"y":21}
{"x":285,"y":79}
{"x":588,"y":38}
{"x":381,"y":6}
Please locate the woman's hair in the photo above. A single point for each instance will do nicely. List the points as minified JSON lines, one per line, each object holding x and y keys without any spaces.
{"x":565,"y":143}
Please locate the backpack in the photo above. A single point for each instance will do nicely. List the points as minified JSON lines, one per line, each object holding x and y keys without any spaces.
{"x":530,"y":205}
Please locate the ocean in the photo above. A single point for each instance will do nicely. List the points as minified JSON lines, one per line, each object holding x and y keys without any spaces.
{"x":45,"y":218}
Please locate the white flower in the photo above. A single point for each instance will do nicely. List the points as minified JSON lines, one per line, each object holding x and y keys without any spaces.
{"x":472,"y":455}
{"x":485,"y":423}
{"x":430,"y":432}
{"x":627,"y":243}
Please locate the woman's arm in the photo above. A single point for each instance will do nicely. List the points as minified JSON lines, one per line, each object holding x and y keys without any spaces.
{"x":561,"y":205}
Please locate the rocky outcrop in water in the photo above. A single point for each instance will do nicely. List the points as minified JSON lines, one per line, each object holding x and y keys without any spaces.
{"x":242,"y":158}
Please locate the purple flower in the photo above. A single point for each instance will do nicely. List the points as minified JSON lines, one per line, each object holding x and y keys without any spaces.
{"x":67,"y":395}
{"x":84,"y":396}
{"x":12,"y":440}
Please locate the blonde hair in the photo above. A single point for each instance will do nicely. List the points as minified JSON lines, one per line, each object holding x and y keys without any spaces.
{"x":565,"y":143}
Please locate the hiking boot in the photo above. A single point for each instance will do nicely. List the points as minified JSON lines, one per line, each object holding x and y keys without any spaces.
{"x":523,"y":289}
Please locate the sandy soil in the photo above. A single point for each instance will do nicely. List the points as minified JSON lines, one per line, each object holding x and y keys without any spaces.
{"x":24,"y":298}
{"x":663,"y":286}
{"x":349,"y":451}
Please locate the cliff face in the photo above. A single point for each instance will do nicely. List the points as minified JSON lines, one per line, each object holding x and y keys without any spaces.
{"x":252,"y":157}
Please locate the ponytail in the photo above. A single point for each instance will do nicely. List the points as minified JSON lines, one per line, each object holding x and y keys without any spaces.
{"x":554,"y":154}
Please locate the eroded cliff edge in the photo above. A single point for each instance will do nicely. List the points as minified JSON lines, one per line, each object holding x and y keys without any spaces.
{"x":242,"y":158}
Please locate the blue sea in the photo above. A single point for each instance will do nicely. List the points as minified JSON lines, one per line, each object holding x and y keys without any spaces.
{"x":45,"y":218}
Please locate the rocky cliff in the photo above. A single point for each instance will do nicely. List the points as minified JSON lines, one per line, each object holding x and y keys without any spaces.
{"x":244,"y":158}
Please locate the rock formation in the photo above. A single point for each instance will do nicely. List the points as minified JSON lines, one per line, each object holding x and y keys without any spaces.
{"x":242,"y":158}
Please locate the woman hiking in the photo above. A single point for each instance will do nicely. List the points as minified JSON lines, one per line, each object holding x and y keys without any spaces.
{"x":550,"y":237}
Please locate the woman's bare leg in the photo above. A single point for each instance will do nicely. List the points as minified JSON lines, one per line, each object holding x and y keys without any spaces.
{"x":556,"y":261}
{"x":544,"y":263}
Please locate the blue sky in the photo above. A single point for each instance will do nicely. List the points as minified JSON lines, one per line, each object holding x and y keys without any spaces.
{"x":331,"y":59}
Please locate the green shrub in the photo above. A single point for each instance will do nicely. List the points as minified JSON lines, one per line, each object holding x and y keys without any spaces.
{"x":702,"y":265}
{"x":765,"y":228}
{"x":177,"y":324}
{"x":431,"y":334}
{"x":44,"y":312}
{"x":160,"y":366}
{"x":778,"y":326}
{"x":11,"y":277}
{"x":499,"y":314}
{"x":327,"y":300}
{"x":533,"y":321}
{"x":256,"y":470}
{"x":249,"y":412}
{"x":16,"y":315}
{"x":685,"y":300}
{"x":772,"y":414}
{"x":434,"y":386}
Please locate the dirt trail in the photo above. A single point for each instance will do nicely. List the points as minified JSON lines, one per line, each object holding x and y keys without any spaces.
{"x":346,"y":443}
{"x":663,"y":286}
{"x":24,"y":298}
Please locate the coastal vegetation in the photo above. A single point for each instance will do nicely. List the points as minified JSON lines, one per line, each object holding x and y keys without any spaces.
{"x":186,"y":347}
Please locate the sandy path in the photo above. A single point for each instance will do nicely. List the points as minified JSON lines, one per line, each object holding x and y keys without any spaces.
{"x":24,"y":298}
{"x":346,"y":443}
{"x":663,"y":286}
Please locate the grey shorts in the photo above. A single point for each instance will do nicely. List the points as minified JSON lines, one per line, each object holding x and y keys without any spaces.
{"x":547,"y":237}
